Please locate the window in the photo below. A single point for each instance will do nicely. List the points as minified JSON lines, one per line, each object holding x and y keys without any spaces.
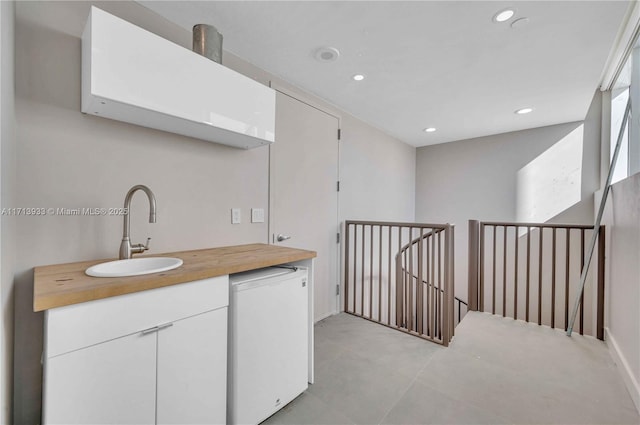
{"x":627,"y":85}
{"x":619,"y":97}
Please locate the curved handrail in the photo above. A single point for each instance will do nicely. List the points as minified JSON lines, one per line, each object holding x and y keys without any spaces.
{"x":418,"y":239}
{"x":415,"y":241}
{"x":437,"y":287}
{"x":373,"y":298}
{"x":404,"y":275}
{"x":432,"y":285}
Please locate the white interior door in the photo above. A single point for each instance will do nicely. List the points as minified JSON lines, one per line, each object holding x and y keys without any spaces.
{"x":303,"y":196}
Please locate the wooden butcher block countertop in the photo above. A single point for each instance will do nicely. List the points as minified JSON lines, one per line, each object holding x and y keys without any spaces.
{"x":66,"y":284}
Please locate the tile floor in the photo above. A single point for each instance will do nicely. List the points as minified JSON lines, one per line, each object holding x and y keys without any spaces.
{"x":496,"y":371}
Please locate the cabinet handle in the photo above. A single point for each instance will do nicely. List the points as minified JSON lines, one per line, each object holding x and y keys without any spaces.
{"x":156,"y":328}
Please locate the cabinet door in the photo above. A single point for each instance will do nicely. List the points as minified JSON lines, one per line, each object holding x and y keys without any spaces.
{"x":113,"y":382}
{"x":192,"y":370}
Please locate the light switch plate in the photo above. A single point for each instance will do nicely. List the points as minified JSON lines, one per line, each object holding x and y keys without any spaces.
{"x":257,"y":215}
{"x":235,"y":216}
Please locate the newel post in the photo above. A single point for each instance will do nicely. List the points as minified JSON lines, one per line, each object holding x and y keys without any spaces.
{"x":600,"y":295}
{"x":474,"y":233}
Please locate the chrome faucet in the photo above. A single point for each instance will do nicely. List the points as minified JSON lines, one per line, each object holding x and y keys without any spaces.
{"x":126,"y":248}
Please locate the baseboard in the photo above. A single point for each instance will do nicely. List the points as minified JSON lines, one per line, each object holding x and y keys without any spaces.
{"x":331,"y":313}
{"x":623,"y":366}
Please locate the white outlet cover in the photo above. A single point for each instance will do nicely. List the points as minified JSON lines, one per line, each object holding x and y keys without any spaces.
{"x":236,"y":216}
{"x":257,"y":215}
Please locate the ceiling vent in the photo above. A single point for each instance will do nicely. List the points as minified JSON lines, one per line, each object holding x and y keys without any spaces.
{"x":326,"y":54}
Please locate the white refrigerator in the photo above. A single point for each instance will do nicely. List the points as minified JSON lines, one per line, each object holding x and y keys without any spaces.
{"x":268,"y":342}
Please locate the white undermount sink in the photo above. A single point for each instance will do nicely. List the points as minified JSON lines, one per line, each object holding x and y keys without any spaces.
{"x":134,"y":267}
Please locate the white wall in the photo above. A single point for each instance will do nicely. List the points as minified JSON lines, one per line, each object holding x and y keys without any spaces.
{"x":377,"y":175}
{"x":7,"y":223}
{"x":477,"y":179}
{"x":377,"y":179}
{"x":67,"y":159}
{"x":622,"y":277}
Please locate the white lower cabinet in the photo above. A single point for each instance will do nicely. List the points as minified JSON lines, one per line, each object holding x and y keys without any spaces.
{"x":113,"y":382}
{"x":152,"y":357}
{"x":191,"y":368}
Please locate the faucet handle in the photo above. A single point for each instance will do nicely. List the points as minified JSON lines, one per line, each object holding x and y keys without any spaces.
{"x":138,"y":248}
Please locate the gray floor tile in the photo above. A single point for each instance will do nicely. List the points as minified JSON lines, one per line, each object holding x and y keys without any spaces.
{"x":476,"y":382}
{"x":424,"y":405}
{"x":325,"y":351}
{"x":358,"y":387}
{"x":403,"y":353}
{"x":307,"y":409}
{"x":496,"y":371}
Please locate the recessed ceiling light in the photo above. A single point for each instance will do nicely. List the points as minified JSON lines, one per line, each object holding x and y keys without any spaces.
{"x":429,"y":129}
{"x":519,"y":23}
{"x":504,"y":15}
{"x":358,"y":77}
{"x":326,"y":54}
{"x":523,"y":111}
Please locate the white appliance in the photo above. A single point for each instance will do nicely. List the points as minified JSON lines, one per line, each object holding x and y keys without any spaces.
{"x":268,"y":342}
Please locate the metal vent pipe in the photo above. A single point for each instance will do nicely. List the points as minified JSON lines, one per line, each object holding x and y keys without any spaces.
{"x":207,"y":41}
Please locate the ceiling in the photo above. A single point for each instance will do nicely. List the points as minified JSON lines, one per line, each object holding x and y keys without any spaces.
{"x":442,"y":64}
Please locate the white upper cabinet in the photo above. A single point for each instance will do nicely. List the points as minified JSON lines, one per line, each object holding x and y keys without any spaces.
{"x":132,"y":75}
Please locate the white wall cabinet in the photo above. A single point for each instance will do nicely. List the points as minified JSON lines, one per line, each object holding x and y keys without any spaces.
{"x":132,"y":75}
{"x":156,"y":356}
